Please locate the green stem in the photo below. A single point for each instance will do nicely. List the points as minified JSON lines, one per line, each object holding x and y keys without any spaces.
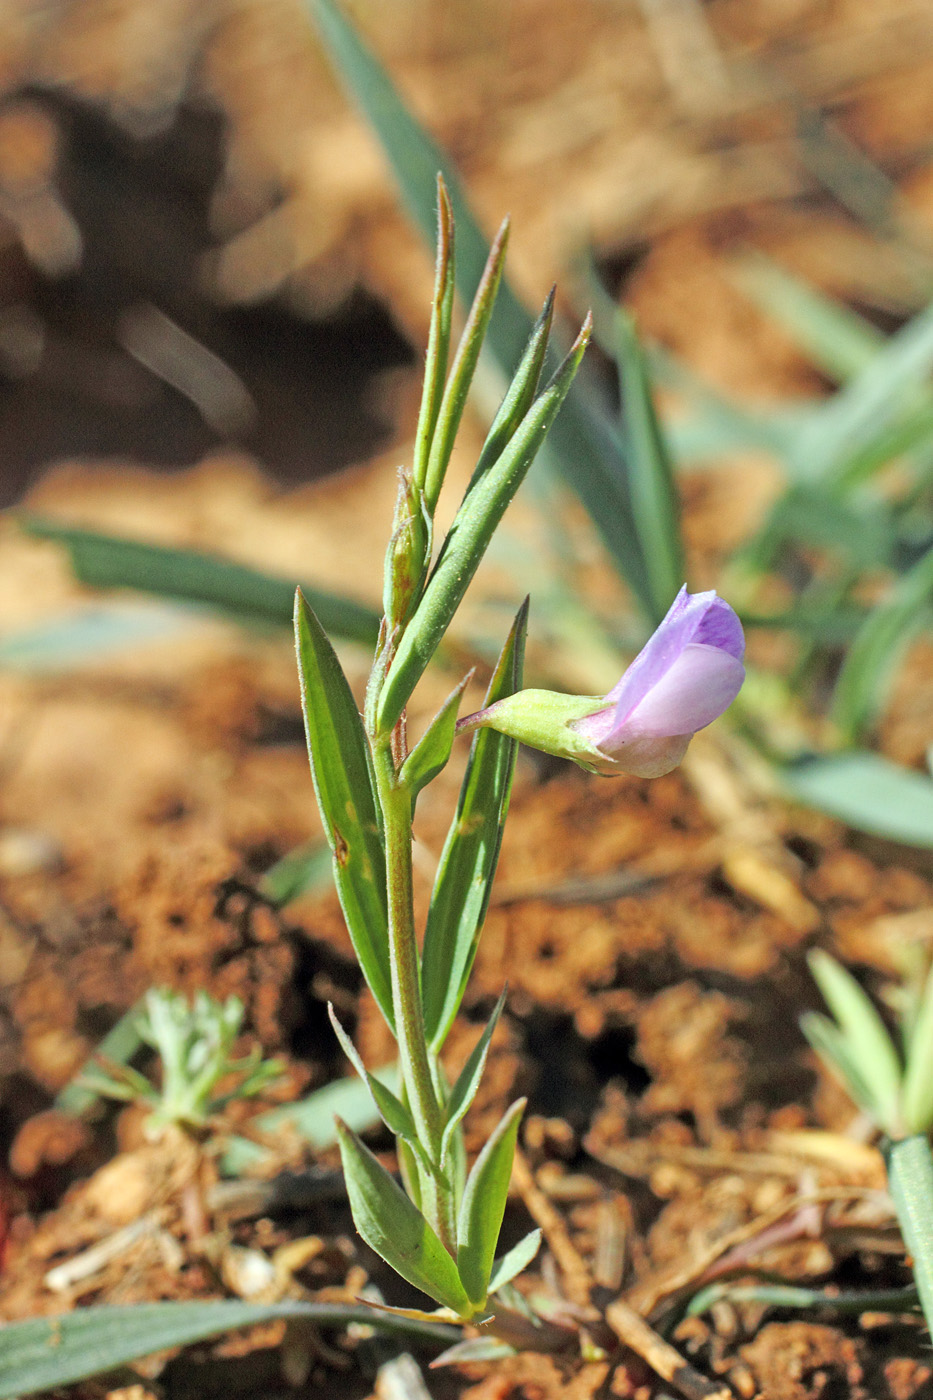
{"x":910,"y":1177}
{"x":395,"y":801}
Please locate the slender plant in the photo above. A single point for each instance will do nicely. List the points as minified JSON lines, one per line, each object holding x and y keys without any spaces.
{"x":441,"y":1231}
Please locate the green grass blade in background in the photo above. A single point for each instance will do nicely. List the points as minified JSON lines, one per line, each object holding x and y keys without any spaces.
{"x":82,"y":635}
{"x":837,"y":339}
{"x":655,"y":505}
{"x":879,"y":645}
{"x":867,"y":792}
{"x":468,"y":862}
{"x":584,"y":446}
{"x":110,"y":561}
{"x":45,"y":1353}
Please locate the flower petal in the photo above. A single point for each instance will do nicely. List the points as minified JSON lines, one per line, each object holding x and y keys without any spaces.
{"x":719,"y":627}
{"x":701,"y":683}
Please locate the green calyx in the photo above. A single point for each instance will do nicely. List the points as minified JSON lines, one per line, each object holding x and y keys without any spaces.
{"x":543,"y":719}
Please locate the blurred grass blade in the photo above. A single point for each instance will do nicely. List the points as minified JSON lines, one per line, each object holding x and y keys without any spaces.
{"x":468,"y":539}
{"x":584,"y":446}
{"x":118,"y":1047}
{"x":111,"y":561}
{"x":301,"y":871}
{"x":838,"y":340}
{"x":868,"y":792}
{"x":483,"y":1206}
{"x":468,"y":862}
{"x":78,"y":637}
{"x":468,"y":1080}
{"x":910,"y":1181}
{"x":857,"y":528}
{"x":312,"y":1119}
{"x":835,"y":1051}
{"x":46,"y":1353}
{"x":339,"y":758}
{"x":463,"y":368}
{"x":869,"y":401}
{"x":397,"y":1231}
{"x":390,"y":1108}
{"x":512,"y":1263}
{"x":866,"y":1035}
{"x":866,"y":674}
{"x":655,"y":505}
{"x":917,"y":1094}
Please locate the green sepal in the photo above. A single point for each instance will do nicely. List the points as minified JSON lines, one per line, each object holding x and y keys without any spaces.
{"x":432,"y":750}
{"x":468,"y":862}
{"x":397,"y":1231}
{"x":483,"y":1206}
{"x":464,"y":1091}
{"x":340,"y":767}
{"x":512,"y":1263}
{"x":543,"y":719}
{"x":390,"y":1108}
{"x":463,"y":369}
{"x":468,"y":538}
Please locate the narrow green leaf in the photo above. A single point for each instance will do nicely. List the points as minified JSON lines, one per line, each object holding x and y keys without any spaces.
{"x":917,"y":1093}
{"x":835,"y":1051}
{"x":471,"y":852}
{"x":467,"y":541}
{"x":838,"y":340}
{"x":110,"y":561}
{"x":390,"y":1108}
{"x":432,"y":750}
{"x":397,"y":1231}
{"x":869,"y":666}
{"x":520,"y":394}
{"x":782,"y":1295}
{"x":338,"y":753}
{"x":483,"y":1206}
{"x":868,"y":792}
{"x":910,"y":1180}
{"x":468,"y":1080}
{"x":655,"y":504}
{"x":585,"y":446}
{"x":873,"y":398}
{"x":435,"y":371}
{"x":866,"y":1034}
{"x":464,"y":367}
{"x":517,"y":1259}
{"x":46,"y":1353}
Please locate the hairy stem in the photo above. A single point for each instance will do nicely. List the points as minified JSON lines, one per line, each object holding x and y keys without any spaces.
{"x":406,"y":988}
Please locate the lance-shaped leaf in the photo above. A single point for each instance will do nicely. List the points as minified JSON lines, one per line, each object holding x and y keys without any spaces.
{"x":463,"y":368}
{"x":340,"y":769}
{"x":397,"y":1231}
{"x":389,"y":1107}
{"x":432,"y":750}
{"x":517,"y":1259}
{"x":917,"y":1094}
{"x":836,"y":1053}
{"x":471,"y":852}
{"x":469,"y":536}
{"x":483,"y":1206}
{"x":464,"y":1091}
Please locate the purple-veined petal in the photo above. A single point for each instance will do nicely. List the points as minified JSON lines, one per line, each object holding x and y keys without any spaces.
{"x":696,"y":688}
{"x":719,"y":627}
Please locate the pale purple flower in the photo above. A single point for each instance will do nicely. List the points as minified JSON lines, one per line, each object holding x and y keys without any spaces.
{"x":687,"y":673}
